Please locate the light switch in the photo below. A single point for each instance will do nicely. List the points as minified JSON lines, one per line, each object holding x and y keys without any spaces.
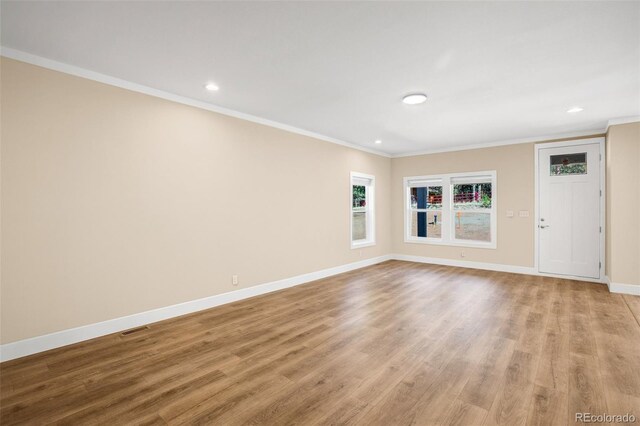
{"x":523,"y":213}
{"x":509,"y":213}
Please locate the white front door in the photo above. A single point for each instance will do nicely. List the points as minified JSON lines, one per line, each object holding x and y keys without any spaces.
{"x":569,"y":210}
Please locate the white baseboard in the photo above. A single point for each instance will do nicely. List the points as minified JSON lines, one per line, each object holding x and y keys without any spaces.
{"x":622,"y":288}
{"x":37,"y":344}
{"x":525,"y":270}
{"x":466,"y":264}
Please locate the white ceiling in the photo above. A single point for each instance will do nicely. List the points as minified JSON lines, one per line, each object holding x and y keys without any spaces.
{"x":493,"y":71}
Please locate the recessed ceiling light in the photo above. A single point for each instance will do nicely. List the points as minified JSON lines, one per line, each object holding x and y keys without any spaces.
{"x":211,"y":87}
{"x":574,"y":110}
{"x":414,"y":98}
{"x":378,"y":142}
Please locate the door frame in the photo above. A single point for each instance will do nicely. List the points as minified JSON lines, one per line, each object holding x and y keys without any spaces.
{"x":590,"y":141}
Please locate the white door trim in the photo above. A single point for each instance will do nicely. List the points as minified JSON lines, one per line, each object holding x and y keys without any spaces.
{"x":578,"y":142}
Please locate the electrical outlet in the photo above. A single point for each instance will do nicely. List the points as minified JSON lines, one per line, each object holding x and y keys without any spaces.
{"x":462,"y":253}
{"x":523,"y":213}
{"x":234,"y":279}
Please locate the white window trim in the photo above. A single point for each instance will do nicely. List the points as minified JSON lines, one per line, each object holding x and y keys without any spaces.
{"x":371,"y":211}
{"x":448,"y":225}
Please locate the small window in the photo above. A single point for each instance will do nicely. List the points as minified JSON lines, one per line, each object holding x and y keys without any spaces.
{"x":569,"y":164}
{"x":452,"y":209}
{"x":362,"y":210}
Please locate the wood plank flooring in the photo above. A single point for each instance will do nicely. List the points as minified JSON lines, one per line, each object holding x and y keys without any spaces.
{"x":395,"y":343}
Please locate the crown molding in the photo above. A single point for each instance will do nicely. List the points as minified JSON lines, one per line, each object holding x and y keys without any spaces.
{"x":135,"y":87}
{"x":40,"y":61}
{"x":590,"y":133}
{"x":622,"y":120}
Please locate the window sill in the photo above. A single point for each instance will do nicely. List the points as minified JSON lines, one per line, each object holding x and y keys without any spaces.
{"x":358,"y":244}
{"x":438,"y":242}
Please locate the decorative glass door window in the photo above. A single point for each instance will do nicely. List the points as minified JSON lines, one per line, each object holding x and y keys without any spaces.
{"x":569,"y":164}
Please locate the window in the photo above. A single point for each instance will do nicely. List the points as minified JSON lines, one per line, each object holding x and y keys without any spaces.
{"x":362,"y":210}
{"x":569,"y":164}
{"x":426,"y":210}
{"x":452,"y":209}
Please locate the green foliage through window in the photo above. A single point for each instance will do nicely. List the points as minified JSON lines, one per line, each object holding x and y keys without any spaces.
{"x":486,"y":201}
{"x":359,"y":196}
{"x":569,"y":169}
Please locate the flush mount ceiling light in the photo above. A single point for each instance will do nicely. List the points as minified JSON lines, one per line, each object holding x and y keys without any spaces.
{"x":212,"y":87}
{"x":414,"y":98}
{"x":378,"y":142}
{"x":574,"y":110}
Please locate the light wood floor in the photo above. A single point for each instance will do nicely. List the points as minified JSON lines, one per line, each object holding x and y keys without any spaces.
{"x":395,"y":343}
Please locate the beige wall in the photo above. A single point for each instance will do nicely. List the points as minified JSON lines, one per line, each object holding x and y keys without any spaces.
{"x":514,"y":167}
{"x":623,"y":203}
{"x":114,"y":202}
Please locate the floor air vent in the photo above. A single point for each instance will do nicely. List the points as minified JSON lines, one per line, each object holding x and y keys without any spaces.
{"x":134,"y":330}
